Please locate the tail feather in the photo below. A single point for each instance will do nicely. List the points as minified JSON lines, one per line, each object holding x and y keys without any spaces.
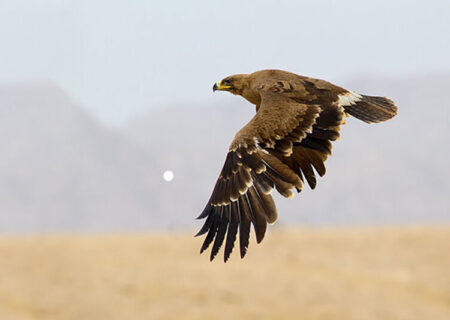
{"x":372,"y":109}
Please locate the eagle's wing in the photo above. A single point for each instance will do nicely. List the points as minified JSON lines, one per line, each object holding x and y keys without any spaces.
{"x":278,"y":148}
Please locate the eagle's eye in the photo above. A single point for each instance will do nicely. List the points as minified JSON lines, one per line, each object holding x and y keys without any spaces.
{"x":227,"y":81}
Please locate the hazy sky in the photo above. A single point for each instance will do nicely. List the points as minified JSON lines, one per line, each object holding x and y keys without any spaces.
{"x":118,"y":58}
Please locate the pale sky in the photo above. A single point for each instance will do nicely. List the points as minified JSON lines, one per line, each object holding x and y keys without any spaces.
{"x":119,"y":58}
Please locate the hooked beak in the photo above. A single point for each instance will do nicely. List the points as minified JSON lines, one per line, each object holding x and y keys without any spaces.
{"x":218,"y":86}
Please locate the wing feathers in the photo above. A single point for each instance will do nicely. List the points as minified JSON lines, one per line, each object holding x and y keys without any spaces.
{"x":207,"y":225}
{"x":232,"y":229}
{"x":284,"y":188}
{"x":212,"y":232}
{"x":317,"y":159}
{"x":281,"y":169}
{"x":252,"y":161}
{"x":270,"y":209}
{"x":244,"y":225}
{"x":223,"y":226}
{"x":242,"y":197}
{"x":308,"y":172}
{"x":207,"y":211}
{"x":257,"y":210}
{"x":234,"y":192}
{"x":263,"y":182}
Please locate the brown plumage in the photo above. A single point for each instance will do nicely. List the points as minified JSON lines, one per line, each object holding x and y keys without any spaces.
{"x":283,"y":146}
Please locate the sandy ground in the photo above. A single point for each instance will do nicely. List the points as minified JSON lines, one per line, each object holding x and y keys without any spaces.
{"x":360,"y":273}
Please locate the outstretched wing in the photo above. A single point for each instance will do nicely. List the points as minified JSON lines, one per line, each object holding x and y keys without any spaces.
{"x":278,"y":149}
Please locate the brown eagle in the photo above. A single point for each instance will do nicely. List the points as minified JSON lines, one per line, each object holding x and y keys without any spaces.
{"x":282,"y":147}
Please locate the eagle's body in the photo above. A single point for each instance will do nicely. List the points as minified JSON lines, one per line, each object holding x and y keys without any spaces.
{"x":297,"y":118}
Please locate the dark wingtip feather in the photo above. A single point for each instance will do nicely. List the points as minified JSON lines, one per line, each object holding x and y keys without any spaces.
{"x":244,"y":226}
{"x":211,"y":234}
{"x":220,"y":236}
{"x":205,"y":211}
{"x":244,"y":239}
{"x":205,"y":226}
{"x":232,"y":230}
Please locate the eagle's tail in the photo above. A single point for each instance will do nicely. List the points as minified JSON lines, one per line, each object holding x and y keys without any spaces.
{"x":369,"y":109}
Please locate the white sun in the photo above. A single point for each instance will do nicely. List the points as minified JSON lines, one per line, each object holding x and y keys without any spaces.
{"x":168,"y":175}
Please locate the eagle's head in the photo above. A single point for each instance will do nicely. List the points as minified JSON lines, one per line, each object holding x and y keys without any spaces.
{"x":234,"y":84}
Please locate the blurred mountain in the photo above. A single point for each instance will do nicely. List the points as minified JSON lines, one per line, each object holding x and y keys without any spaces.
{"x":60,"y":169}
{"x":392,"y":172}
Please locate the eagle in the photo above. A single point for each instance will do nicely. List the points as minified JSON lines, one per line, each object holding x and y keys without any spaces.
{"x":283,"y":146}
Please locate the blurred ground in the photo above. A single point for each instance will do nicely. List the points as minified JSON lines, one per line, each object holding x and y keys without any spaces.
{"x":353,"y":273}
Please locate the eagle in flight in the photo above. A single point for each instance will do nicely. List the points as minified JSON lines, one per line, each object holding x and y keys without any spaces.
{"x":283,"y":147}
